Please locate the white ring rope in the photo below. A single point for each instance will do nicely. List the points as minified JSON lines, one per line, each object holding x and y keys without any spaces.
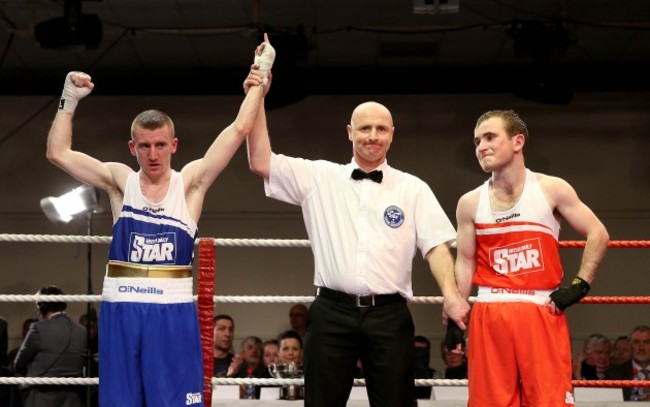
{"x":10,"y":237}
{"x":50,"y":380}
{"x":223,"y":299}
{"x":300,"y":382}
{"x":49,"y":298}
{"x":215,"y":381}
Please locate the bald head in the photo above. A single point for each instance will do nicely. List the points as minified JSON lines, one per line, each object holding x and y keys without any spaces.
{"x":371,"y":108}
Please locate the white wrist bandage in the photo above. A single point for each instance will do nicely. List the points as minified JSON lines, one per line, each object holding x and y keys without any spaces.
{"x":72,"y":94}
{"x":265,"y":61}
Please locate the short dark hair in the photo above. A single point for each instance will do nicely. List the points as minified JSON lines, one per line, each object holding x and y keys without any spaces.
{"x":45,"y":307}
{"x":513,"y":123}
{"x":291,"y":334}
{"x":222,"y":316}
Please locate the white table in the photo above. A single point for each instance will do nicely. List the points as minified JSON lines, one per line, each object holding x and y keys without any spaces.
{"x":447,"y":396}
{"x":358,"y":402}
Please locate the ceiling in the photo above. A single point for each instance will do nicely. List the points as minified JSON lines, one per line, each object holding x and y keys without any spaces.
{"x":337,"y":46}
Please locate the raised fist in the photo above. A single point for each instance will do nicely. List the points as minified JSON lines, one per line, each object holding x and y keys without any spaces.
{"x":77,"y":86}
{"x":264,"y":57}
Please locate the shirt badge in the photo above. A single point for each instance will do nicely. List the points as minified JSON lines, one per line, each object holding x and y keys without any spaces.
{"x":393,"y":216}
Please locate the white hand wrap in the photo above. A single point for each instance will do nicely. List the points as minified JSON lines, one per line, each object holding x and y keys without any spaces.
{"x":265,"y":61}
{"x":72,"y":93}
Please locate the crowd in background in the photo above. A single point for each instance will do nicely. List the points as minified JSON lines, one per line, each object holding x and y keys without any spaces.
{"x":628,"y":358}
{"x":625,"y":358}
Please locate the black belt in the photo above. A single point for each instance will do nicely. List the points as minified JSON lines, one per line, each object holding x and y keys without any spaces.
{"x":361,"y":301}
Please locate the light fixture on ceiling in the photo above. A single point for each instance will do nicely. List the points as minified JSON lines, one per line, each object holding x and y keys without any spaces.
{"x":72,"y":32}
{"x":436,"y":6}
{"x":62,"y":209}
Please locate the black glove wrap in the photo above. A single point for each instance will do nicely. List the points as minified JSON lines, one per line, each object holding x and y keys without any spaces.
{"x":454,"y":335}
{"x":564,"y":297}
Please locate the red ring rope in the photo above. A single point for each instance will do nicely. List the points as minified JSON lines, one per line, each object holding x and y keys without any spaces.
{"x":611,"y":383}
{"x":615,"y":300}
{"x":573,"y":244}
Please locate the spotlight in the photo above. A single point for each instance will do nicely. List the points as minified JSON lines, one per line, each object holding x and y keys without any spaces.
{"x":62,"y":209}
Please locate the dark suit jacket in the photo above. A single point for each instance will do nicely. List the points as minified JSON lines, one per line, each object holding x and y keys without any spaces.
{"x":458,"y":372}
{"x":55,"y":347}
{"x":589,"y":372}
{"x":4,"y":370}
{"x":4,"y":342}
{"x":621,"y":372}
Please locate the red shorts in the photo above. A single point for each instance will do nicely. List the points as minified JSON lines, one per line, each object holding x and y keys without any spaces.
{"x":519,"y":354}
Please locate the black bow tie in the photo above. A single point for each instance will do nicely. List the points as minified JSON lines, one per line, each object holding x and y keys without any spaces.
{"x":375,"y":175}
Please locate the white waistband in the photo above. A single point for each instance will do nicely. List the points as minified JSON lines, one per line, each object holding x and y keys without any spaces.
{"x":147,"y":290}
{"x":495,"y":294}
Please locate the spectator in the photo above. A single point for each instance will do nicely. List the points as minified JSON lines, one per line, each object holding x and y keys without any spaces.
{"x":5,"y":391}
{"x":638,"y":368}
{"x":594,"y":359}
{"x":224,"y":333}
{"x":271,"y":350}
{"x":53,"y":347}
{"x":251,"y":351}
{"x":4,"y":342}
{"x":270,"y":356}
{"x":298,"y":318}
{"x":250,"y":357}
{"x":421,"y":366}
{"x":290,"y":348}
{"x":11,"y":356}
{"x":621,"y":351}
{"x":14,"y":391}
{"x":92,"y":328}
{"x":455,"y":362}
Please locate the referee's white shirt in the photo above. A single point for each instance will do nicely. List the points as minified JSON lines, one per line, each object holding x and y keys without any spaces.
{"x":364,"y":235}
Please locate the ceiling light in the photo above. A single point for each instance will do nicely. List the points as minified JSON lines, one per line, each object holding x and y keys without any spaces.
{"x":436,"y":6}
{"x":62,"y":209}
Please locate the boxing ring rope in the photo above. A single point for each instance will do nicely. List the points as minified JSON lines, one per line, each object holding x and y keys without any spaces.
{"x":288,"y":299}
{"x":206,"y":299}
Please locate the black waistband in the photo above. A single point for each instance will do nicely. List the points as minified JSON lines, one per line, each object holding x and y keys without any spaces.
{"x":362,"y":301}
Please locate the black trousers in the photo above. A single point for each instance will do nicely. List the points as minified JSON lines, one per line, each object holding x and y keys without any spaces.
{"x":381,"y":337}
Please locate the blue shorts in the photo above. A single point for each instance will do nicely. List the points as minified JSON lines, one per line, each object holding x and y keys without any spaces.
{"x":150,"y":355}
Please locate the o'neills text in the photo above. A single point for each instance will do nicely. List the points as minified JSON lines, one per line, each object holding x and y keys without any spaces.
{"x":505,"y":218}
{"x":523,"y":291}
